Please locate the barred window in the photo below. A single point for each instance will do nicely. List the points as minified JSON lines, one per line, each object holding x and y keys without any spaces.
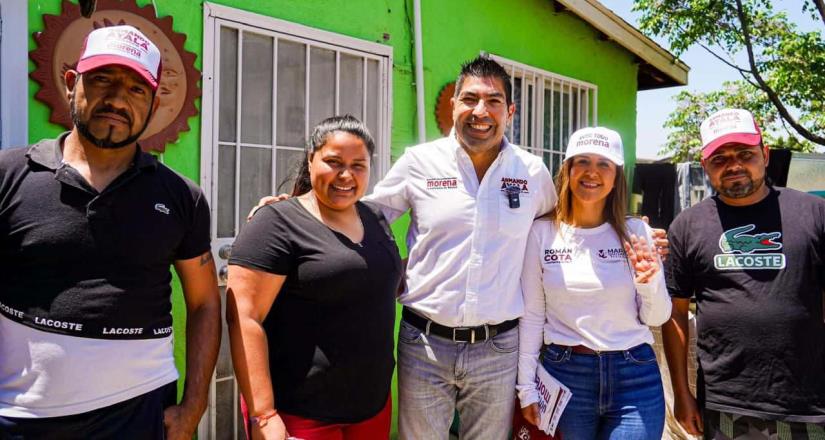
{"x":549,"y":107}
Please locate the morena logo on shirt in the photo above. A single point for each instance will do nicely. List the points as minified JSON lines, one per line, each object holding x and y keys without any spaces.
{"x":521,"y":184}
{"x":442,"y":183}
{"x":612,"y":254}
{"x":558,"y":255}
{"x":741,"y":250}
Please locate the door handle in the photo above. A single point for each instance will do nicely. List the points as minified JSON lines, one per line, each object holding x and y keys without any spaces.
{"x":223,"y":274}
{"x":225,"y":251}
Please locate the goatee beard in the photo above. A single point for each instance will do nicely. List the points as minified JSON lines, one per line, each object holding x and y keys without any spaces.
{"x":743,"y":190}
{"x":107,"y":143}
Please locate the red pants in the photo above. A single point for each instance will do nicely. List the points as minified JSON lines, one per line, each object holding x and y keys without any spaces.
{"x":375,"y":428}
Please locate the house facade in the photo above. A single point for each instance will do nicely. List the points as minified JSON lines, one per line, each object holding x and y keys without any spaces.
{"x":270,"y":70}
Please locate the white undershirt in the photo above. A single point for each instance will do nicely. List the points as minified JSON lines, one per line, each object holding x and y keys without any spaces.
{"x":579,"y":290}
{"x":46,"y":374}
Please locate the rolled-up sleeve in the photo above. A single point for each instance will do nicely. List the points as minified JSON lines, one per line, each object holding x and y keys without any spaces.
{"x":391,"y":193}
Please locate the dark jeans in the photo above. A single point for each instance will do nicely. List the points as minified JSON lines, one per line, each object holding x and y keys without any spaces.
{"x":138,"y":418}
{"x":616,"y":395}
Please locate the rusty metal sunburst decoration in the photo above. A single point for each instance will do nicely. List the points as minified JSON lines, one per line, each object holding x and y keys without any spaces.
{"x":443,"y":108}
{"x":58,"y":47}
{"x":87,"y":8}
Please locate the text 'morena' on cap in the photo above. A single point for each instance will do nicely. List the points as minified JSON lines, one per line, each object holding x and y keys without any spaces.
{"x":727,"y":126}
{"x":122,"y":46}
{"x":596,"y":140}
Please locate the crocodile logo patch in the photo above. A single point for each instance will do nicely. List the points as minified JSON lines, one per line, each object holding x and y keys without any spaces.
{"x":744,"y":251}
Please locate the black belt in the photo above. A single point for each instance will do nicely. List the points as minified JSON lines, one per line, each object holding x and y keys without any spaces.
{"x":457,"y":334}
{"x":581,"y":349}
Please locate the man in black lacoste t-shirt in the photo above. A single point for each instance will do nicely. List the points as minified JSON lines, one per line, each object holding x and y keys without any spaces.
{"x":89,"y":226}
{"x":753,"y":257}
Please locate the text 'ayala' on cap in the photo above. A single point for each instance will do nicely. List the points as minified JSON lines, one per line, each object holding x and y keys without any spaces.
{"x":123,"y":46}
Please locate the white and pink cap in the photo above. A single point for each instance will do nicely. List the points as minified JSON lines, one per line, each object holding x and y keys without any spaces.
{"x":728,"y":126}
{"x":596,"y":140}
{"x":123,"y":46}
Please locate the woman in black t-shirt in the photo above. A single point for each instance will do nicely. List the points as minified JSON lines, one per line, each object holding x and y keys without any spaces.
{"x":311,"y":300}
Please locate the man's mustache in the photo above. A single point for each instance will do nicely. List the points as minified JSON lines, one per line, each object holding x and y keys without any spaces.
{"x":119,"y":112}
{"x":475,"y":120}
{"x":736,"y":173}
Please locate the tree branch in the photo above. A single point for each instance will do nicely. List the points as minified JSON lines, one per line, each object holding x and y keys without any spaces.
{"x":722,"y":59}
{"x":742,"y":72}
{"x":748,"y":80}
{"x":772,"y":95}
{"x":786,"y":128}
{"x":820,"y":6}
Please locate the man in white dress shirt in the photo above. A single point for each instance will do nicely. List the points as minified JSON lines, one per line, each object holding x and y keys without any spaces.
{"x":472,"y":197}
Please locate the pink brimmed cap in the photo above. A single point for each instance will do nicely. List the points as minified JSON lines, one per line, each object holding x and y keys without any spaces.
{"x":123,"y":46}
{"x":728,"y":126}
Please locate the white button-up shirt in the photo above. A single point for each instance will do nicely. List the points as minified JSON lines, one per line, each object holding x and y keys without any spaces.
{"x":466,"y":243}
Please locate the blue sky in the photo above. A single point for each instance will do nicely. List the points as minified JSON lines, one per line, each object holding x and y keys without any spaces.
{"x":706,"y":74}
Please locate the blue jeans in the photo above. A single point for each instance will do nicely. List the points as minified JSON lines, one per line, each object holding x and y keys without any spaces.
{"x":436,"y":376}
{"x":616,"y":395}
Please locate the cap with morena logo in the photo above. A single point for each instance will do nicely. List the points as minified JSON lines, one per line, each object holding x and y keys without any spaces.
{"x":596,"y":140}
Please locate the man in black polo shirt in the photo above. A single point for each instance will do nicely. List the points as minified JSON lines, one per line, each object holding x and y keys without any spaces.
{"x":89,"y":226}
{"x":754,"y":258}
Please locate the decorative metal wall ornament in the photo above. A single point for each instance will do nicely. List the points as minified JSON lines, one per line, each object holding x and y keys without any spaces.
{"x":87,"y":8}
{"x":58,"y":47}
{"x":444,"y":110}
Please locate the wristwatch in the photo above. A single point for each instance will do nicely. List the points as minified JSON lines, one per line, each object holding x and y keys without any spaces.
{"x":263,"y":419}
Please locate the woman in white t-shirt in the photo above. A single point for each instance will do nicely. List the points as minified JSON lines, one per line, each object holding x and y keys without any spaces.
{"x":591,"y":287}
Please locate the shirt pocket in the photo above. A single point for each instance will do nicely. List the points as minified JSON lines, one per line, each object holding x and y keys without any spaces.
{"x":515,"y":221}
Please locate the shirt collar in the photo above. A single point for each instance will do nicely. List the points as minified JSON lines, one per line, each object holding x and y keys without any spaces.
{"x":48,"y":153}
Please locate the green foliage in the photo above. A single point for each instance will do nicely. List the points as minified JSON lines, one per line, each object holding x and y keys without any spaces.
{"x":788,"y":64}
{"x":683,"y":141}
{"x":816,"y":8}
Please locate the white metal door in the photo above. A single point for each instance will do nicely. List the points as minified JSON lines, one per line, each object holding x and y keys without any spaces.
{"x":266,"y":84}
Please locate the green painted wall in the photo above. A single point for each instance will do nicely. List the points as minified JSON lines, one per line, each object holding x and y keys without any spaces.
{"x":527,"y":31}
{"x":532,"y":33}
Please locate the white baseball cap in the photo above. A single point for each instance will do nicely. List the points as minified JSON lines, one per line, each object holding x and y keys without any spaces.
{"x":596,"y":140}
{"x":124,"y":46}
{"x":730,"y":125}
